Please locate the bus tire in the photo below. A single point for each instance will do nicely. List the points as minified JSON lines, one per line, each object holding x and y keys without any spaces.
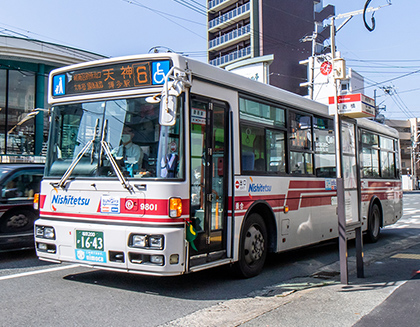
{"x":374,"y":224}
{"x":252,"y":247}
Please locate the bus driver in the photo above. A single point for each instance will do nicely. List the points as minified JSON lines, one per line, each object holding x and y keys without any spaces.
{"x":129,"y":154}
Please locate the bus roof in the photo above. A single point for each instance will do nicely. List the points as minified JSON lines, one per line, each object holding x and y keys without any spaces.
{"x":200,"y":70}
{"x":218,"y":76}
{"x":377,"y":127}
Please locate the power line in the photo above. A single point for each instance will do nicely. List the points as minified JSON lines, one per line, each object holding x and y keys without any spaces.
{"x":192,"y":6}
{"x":198,"y":3}
{"x":162,"y":14}
{"x":395,"y":78}
{"x":384,"y":60}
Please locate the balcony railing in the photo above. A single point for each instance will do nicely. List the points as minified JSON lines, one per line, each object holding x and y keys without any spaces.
{"x":214,"y":3}
{"x":229,"y":15}
{"x":231,"y":56}
{"x":230,"y":36}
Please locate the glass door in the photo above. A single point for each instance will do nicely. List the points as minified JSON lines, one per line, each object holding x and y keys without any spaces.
{"x":208,"y":179}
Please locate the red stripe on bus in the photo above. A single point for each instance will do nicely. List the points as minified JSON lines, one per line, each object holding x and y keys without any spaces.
{"x":311,"y":201}
{"x":112,"y":217}
{"x":380,"y":184}
{"x":42,"y":198}
{"x":246,"y":201}
{"x":306,"y":184}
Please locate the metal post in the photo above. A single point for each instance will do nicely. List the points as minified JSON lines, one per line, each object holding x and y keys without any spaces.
{"x":342,"y":238}
{"x":359,"y":252}
{"x":39,"y":103}
{"x":312,"y":70}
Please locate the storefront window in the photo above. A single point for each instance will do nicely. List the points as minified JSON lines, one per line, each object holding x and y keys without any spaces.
{"x":21,"y":101}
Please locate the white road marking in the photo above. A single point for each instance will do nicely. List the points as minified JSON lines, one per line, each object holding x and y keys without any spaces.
{"x":36,"y":272}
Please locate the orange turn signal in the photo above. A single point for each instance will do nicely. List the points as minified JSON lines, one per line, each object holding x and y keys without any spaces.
{"x":36,"y":201}
{"x":175,"y":207}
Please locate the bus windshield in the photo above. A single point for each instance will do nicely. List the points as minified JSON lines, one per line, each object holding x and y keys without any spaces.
{"x":128,"y":128}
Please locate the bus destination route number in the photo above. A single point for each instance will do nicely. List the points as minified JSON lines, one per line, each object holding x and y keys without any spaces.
{"x":112,"y":77}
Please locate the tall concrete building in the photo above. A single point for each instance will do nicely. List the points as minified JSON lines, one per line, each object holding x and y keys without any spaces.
{"x":266,"y":33}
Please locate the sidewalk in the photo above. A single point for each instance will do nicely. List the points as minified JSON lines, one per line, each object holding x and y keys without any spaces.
{"x":320,"y":300}
{"x":364,"y":302}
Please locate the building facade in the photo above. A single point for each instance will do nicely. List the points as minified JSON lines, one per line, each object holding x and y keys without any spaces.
{"x":274,"y":29}
{"x":24,"y":68}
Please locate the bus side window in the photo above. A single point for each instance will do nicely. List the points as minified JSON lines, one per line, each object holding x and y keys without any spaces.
{"x":248,"y":161}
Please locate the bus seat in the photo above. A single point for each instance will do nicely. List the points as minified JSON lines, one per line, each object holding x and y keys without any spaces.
{"x":260,"y":164}
{"x":248,"y":161}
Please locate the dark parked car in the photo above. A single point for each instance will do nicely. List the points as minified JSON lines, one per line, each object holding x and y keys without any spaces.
{"x":18,"y":184}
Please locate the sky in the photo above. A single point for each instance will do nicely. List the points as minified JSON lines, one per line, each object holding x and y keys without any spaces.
{"x":388,"y":57}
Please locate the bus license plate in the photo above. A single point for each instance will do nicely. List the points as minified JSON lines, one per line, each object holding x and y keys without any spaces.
{"x":90,"y":246}
{"x":89,"y":240}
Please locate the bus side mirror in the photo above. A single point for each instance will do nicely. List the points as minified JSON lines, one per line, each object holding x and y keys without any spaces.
{"x":169,"y":102}
{"x":168,"y":108}
{"x":169,"y":96}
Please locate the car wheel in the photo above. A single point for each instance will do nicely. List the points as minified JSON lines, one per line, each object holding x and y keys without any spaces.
{"x":253,"y":247}
{"x":17,"y":221}
{"x":374,"y":224}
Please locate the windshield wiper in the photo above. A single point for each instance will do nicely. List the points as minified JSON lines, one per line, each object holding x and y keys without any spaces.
{"x":79,"y":156}
{"x":114,"y":165}
{"x":105,"y":147}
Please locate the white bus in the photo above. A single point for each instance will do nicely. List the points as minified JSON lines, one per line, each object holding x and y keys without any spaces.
{"x":147,"y":152}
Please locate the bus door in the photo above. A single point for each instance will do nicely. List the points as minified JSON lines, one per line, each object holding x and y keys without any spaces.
{"x":209,"y":153}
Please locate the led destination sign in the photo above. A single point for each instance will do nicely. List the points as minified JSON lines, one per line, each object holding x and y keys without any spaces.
{"x":119,"y":76}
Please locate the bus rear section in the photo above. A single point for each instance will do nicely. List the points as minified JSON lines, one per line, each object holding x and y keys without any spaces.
{"x":380,"y":177}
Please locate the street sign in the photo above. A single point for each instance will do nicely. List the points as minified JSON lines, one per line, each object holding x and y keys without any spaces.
{"x":353,"y":105}
{"x":326,"y":68}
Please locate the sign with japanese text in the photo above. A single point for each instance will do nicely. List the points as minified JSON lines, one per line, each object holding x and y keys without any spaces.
{"x":111,"y":77}
{"x":353,"y":105}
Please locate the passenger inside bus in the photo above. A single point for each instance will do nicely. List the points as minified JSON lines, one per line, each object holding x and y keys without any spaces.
{"x":169,"y":162}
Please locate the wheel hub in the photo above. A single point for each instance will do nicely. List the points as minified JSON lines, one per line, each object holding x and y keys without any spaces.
{"x":254,"y":245}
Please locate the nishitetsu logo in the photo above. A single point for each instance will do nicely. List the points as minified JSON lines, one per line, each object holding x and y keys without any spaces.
{"x":259,"y":188}
{"x":70,"y":200}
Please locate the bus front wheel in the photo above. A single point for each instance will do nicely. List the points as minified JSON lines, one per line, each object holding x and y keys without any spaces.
{"x":253,"y":247}
{"x":374,"y":224}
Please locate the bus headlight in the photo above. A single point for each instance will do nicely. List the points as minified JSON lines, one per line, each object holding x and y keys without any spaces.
{"x":39,"y":231}
{"x":156,"y":241}
{"x":139,"y":241}
{"x":175,"y":207}
{"x":145,"y":241}
{"x":46,"y":232}
{"x":49,"y":233}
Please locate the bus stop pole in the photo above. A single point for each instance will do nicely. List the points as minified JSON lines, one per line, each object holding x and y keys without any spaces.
{"x":342,"y":238}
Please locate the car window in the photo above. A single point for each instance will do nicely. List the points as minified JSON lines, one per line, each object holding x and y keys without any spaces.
{"x":22,"y":185}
